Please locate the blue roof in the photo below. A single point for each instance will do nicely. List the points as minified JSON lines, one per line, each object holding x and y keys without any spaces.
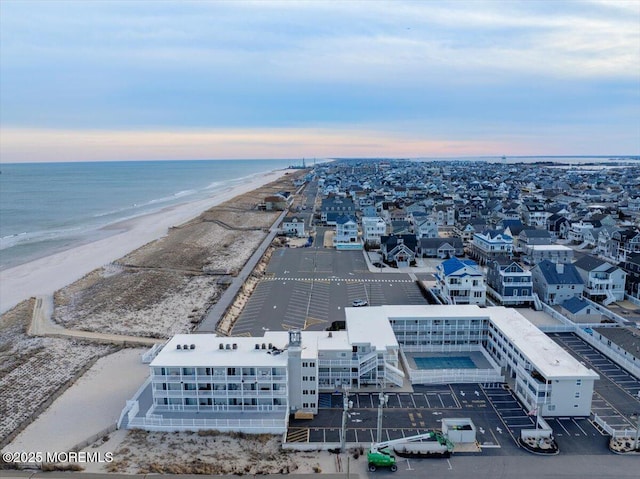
{"x":575,"y":305}
{"x":569,"y":275}
{"x":452,"y":265}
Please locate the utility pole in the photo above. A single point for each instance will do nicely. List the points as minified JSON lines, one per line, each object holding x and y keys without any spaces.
{"x":346,"y":405}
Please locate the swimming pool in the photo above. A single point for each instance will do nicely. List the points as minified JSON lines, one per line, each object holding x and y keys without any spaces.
{"x":445,"y":362}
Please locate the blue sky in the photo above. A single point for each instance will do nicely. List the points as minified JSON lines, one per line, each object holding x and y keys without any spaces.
{"x":168,"y":80}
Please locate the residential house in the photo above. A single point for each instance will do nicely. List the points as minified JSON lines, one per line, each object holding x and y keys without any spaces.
{"x":293,"y":226}
{"x":466,"y":231}
{"x":445,"y":215}
{"x":556,"y":253}
{"x":490,"y":245}
{"x":555,"y":283}
{"x":336,"y":205}
{"x":623,"y":243}
{"x":461,"y":282}
{"x":534,"y":214}
{"x":427,"y":228}
{"x":275,"y":203}
{"x":346,"y":231}
{"x":631,"y":266}
{"x":578,"y":230}
{"x":400,"y":227}
{"x":558,"y":226}
{"x":529,"y":237}
{"x":373,"y":227}
{"x":511,"y":227}
{"x":603,"y":282}
{"x":509,"y":283}
{"x":399,"y":250}
{"x":440,"y":247}
{"x":580,"y":310}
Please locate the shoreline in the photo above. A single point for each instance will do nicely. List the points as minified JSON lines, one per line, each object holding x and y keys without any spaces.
{"x":50,"y":273}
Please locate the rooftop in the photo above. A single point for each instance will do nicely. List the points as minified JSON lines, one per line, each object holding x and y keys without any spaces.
{"x":206,"y":351}
{"x":540,"y":350}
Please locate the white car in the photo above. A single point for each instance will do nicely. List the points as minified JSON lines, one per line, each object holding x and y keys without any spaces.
{"x":359,"y":302}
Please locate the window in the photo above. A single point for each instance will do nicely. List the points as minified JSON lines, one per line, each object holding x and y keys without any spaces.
{"x":577,"y":395}
{"x":578,"y":382}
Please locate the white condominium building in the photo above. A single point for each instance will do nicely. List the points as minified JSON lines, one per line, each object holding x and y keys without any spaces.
{"x":252,"y":384}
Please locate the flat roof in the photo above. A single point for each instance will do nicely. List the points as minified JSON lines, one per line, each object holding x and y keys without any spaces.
{"x":207,"y":352}
{"x":431,"y":311}
{"x":541,"y":351}
{"x":370,"y":325}
{"x":548,"y":247}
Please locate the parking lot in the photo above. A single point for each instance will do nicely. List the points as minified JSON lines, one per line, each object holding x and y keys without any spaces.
{"x":308,"y":288}
{"x":616,"y":392}
{"x":495,"y":412}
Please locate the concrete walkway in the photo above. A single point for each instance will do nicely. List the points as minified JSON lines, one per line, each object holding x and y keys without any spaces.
{"x":42,"y":325}
{"x":209,"y":323}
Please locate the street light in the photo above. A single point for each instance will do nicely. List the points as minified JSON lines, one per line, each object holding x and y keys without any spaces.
{"x":346,"y":405}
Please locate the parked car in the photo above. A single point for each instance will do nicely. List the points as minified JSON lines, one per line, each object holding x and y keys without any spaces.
{"x":359,"y":302}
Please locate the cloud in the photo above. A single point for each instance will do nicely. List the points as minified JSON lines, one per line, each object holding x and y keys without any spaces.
{"x":453,"y":69}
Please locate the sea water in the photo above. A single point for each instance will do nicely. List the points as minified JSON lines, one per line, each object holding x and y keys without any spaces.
{"x":49,"y":207}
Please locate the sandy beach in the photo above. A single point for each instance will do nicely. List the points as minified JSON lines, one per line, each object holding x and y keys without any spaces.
{"x":46,"y":275}
{"x":156,"y":277}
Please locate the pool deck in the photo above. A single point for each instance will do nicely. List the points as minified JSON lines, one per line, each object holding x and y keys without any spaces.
{"x":476,"y":357}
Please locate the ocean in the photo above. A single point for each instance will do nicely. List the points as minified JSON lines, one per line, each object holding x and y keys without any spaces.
{"x":50,"y":207}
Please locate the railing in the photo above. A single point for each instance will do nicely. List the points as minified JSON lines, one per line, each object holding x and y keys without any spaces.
{"x":445,"y":376}
{"x":256,"y":426}
{"x":148,"y":356}
{"x":611,"y":353}
{"x":606,"y":312}
{"x":634,"y":300}
{"x":611,"y":431}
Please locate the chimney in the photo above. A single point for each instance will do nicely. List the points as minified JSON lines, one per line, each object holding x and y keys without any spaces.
{"x":560,"y":268}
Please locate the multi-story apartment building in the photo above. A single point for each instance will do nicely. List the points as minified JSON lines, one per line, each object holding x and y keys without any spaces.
{"x":252,"y":384}
{"x":546,"y":377}
{"x":460,"y":282}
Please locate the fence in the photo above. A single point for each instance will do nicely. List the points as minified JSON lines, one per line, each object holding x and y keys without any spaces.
{"x":612,"y":354}
{"x":611,"y":431}
{"x":94,"y":438}
{"x":249,"y":426}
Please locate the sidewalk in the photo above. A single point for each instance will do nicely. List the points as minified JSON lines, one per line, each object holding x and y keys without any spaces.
{"x":42,"y":325}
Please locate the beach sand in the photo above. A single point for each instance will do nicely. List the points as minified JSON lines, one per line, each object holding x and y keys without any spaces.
{"x":91,"y":405}
{"x":46,"y":275}
{"x":128,"y":284}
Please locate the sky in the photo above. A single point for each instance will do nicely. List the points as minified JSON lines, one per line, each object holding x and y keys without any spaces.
{"x":144,"y":80}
